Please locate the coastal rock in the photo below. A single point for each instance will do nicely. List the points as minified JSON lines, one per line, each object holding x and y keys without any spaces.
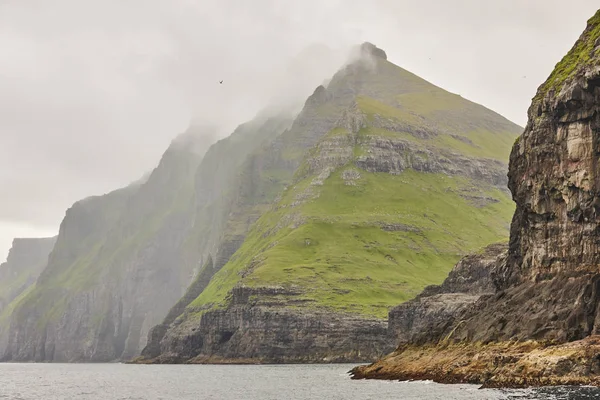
{"x":248,"y":332}
{"x":495,"y":365}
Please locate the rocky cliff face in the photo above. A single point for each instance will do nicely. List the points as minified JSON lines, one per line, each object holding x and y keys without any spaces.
{"x":381,"y":181}
{"x":275,"y":226}
{"x":547,"y":289}
{"x":252,"y":331}
{"x":435,"y":310}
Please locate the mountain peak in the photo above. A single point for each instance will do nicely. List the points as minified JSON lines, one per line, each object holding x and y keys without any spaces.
{"x":370,"y":49}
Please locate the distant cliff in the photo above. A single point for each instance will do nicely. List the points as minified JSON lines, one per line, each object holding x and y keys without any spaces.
{"x":536,"y":324}
{"x":109,"y":278}
{"x":25,"y":262}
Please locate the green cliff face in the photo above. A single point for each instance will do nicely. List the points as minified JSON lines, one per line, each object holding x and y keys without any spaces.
{"x":26,"y":260}
{"x":379,"y":186}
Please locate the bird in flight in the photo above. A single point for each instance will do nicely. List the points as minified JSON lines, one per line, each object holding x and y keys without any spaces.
{"x":221,"y":82}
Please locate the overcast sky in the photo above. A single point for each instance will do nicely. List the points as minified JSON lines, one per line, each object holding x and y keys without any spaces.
{"x":92,"y":91}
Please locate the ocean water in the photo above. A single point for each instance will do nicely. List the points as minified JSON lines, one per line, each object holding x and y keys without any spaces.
{"x":236,"y":382}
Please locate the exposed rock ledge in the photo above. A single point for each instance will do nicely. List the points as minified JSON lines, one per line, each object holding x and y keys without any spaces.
{"x":269,"y":332}
{"x":494,"y":365}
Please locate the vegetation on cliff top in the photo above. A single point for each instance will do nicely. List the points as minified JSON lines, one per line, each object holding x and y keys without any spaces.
{"x":586,"y":51}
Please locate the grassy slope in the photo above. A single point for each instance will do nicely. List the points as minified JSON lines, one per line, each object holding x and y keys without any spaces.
{"x":343,"y":259}
{"x":19,"y":282}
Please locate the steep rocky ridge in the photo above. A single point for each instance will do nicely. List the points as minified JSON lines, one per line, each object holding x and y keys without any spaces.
{"x":109,"y":277}
{"x":543,"y":312}
{"x":381,"y":183}
{"x":26,"y":260}
{"x":124,"y":260}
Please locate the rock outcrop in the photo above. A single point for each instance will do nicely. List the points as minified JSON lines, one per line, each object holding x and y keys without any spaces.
{"x":434,"y":311}
{"x":250,"y":331}
{"x":370,"y":182}
{"x":546,"y":290}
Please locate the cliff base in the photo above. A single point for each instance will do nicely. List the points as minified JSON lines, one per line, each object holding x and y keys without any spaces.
{"x":493,"y":365}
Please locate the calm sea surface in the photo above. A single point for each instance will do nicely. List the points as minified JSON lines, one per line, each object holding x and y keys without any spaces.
{"x":293,"y":382}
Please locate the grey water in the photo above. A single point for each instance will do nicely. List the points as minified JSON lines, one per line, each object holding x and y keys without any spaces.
{"x":236,"y":382}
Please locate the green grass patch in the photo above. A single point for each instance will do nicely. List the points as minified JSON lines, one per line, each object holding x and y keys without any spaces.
{"x":373,"y":107}
{"x":481,"y":144}
{"x":579,"y":56}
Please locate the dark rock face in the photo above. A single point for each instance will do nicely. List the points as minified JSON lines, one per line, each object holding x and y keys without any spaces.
{"x":394,"y":156}
{"x":433,"y":312}
{"x":273,"y":333}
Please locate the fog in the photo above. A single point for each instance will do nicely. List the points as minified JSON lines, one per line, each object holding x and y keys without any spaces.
{"x":92,"y":92}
